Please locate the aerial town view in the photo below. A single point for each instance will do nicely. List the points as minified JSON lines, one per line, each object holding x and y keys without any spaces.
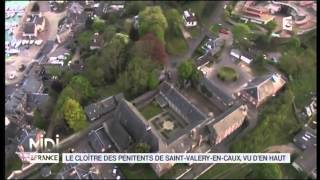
{"x":161,"y":77}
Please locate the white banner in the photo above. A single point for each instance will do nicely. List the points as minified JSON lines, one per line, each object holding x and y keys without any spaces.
{"x":175,"y":158}
{"x":39,"y":157}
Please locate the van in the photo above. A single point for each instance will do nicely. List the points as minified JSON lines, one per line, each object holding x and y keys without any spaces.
{"x":304,"y":138}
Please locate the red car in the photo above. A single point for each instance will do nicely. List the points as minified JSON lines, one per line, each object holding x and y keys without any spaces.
{"x":223,"y":31}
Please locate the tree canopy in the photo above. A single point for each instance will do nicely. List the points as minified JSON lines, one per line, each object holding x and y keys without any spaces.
{"x":152,"y":20}
{"x":266,"y":171}
{"x":150,"y":47}
{"x":82,"y":87}
{"x":84,"y":39}
{"x":98,"y":25}
{"x":185,"y":70}
{"x":241,"y":31}
{"x":271,"y":26}
{"x":142,"y":148}
{"x":74,"y":115}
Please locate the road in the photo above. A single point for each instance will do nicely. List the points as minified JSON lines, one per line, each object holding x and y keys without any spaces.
{"x":195,"y":41}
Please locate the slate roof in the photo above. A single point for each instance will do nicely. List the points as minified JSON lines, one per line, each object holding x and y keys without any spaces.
{"x":180,"y":104}
{"x":15,"y":100}
{"x":37,"y":100}
{"x":29,"y":28}
{"x":98,"y":139}
{"x":219,"y":94}
{"x":39,"y":20}
{"x":129,"y":125}
{"x":262,"y":87}
{"x":96,"y":110}
{"x":118,"y":135}
{"x":25,"y":134}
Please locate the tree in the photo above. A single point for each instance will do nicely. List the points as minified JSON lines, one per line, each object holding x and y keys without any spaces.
{"x":56,"y":86}
{"x":271,"y":26}
{"x":266,"y":171}
{"x":174,"y":22}
{"x":142,"y":148}
{"x":135,"y":78}
{"x":185,"y":70}
{"x":35,"y":7}
{"x":82,"y":87}
{"x":38,"y":120}
{"x":84,"y":39}
{"x":152,"y":20}
{"x":294,"y":43}
{"x":74,"y":115}
{"x":153,"y":80}
{"x":132,"y":8}
{"x":150,"y":47}
{"x":98,"y":25}
{"x":241,"y":31}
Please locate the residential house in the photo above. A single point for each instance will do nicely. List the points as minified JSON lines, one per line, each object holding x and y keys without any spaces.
{"x":246,"y":57}
{"x":30,"y":30}
{"x":189,"y":18}
{"x":23,"y":139}
{"x":15,"y":107}
{"x":215,"y":94}
{"x":97,"y":41}
{"x":58,"y":56}
{"x":40,"y":23}
{"x":261,"y":88}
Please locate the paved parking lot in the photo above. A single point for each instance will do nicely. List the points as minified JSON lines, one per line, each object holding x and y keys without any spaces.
{"x":244,"y":72}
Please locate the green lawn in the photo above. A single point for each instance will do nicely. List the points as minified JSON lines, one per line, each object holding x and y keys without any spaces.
{"x":227,"y":171}
{"x":151,"y":110}
{"x":226,"y":73}
{"x":277,"y":125}
{"x":138,"y":171}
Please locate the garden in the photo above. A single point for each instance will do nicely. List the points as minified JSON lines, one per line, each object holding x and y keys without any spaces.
{"x":226,"y":73}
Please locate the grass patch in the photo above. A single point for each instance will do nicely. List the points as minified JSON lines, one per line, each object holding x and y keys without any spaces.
{"x":227,"y":171}
{"x":226,"y":73}
{"x":277,"y":126}
{"x":151,"y":110}
{"x":138,"y":171}
{"x":15,"y":164}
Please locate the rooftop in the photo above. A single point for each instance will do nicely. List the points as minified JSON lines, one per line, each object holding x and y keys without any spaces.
{"x":29,"y":28}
